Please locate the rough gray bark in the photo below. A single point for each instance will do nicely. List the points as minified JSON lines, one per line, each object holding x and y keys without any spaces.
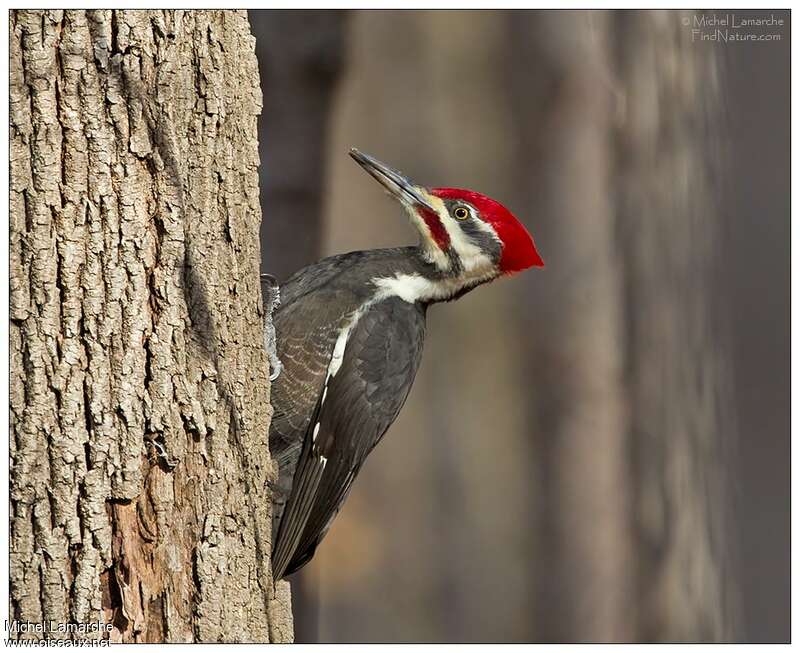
{"x":139,"y":384}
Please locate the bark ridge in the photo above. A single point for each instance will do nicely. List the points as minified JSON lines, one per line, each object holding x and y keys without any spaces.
{"x":140,"y":473}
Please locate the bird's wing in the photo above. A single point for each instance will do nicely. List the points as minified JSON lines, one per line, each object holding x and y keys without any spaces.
{"x":356,"y":406}
{"x":306,"y":335}
{"x":307,"y":476}
{"x":318,"y":275}
{"x":308,"y":320}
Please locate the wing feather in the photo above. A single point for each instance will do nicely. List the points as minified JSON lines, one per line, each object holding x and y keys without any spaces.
{"x":307,"y":477}
{"x":363,"y":398}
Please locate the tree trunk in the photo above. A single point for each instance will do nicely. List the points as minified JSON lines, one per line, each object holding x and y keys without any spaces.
{"x":629,"y":386}
{"x":139,"y":383}
{"x":565,"y":110}
{"x":669,"y":234}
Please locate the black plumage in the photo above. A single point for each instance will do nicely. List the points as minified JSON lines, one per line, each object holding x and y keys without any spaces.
{"x":349,"y":338}
{"x":355,"y":406}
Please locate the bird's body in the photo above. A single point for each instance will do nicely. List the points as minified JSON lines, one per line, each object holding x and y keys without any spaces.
{"x":350,"y":331}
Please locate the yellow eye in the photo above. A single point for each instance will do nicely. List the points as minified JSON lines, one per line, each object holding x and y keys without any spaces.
{"x":461,"y":213}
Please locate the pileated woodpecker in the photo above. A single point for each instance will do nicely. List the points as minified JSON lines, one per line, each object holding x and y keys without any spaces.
{"x":349,"y":336}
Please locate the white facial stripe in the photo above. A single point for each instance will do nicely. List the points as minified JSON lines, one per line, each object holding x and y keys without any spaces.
{"x":408,"y":287}
{"x":415,"y":288}
{"x":485,"y":226}
{"x":473,"y":258}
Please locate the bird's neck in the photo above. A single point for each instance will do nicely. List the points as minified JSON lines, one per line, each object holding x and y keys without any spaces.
{"x":425,"y":283}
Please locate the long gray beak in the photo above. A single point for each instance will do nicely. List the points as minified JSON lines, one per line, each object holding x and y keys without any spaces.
{"x":398,"y":185}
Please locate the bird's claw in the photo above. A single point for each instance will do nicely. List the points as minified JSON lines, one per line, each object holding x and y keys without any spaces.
{"x":271,"y":295}
{"x":276,"y":366}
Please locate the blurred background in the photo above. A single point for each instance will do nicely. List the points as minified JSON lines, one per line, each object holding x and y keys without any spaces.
{"x":597,"y":451}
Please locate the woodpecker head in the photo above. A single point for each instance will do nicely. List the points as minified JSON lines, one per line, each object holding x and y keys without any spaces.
{"x":465,"y":234}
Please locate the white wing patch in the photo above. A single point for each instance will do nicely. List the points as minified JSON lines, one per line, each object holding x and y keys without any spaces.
{"x":336,"y":362}
{"x":338,"y":353}
{"x":341,"y":342}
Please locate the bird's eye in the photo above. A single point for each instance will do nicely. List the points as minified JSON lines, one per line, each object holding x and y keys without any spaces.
{"x":461,"y":213}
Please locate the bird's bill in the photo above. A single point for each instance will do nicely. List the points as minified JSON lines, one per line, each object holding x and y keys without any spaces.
{"x":399,"y":186}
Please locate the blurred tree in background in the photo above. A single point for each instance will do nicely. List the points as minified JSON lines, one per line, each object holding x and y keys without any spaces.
{"x":563,"y":469}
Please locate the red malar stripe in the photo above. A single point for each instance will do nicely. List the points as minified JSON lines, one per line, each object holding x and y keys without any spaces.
{"x":438,"y":231}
